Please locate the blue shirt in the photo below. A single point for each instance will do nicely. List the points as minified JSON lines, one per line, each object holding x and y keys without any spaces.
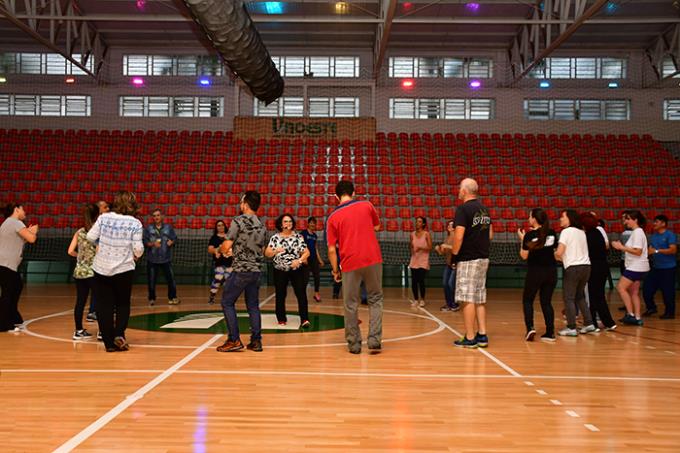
{"x":663,"y":241}
{"x":310,"y":240}
{"x":162,"y":254}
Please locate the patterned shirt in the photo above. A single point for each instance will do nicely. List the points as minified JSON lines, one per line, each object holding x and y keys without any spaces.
{"x":86,"y":252}
{"x":248,"y":236}
{"x":294,"y":246}
{"x":120,"y":241}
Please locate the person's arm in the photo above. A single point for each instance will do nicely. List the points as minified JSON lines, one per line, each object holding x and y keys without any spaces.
{"x":634,"y":241}
{"x":146,"y":237}
{"x":73,"y":246}
{"x":137,"y":244}
{"x":375,"y":218}
{"x":671,"y":250}
{"x":428,"y":238}
{"x":490,"y":232}
{"x":559,"y":253}
{"x":333,"y":258}
{"x":29,"y":234}
{"x":411,"y":249}
{"x":458,"y":235}
{"x":95,"y":231}
{"x":172,"y":236}
{"x":318,"y":255}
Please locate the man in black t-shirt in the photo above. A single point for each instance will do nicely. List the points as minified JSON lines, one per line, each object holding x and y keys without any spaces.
{"x":471,"y":241}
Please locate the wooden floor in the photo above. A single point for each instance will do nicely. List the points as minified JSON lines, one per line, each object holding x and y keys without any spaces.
{"x":607,"y":392}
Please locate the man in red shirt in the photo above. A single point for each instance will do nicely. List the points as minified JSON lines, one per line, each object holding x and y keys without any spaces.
{"x":350,"y":229}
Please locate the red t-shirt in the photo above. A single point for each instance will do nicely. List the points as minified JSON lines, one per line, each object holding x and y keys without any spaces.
{"x":351,"y":227}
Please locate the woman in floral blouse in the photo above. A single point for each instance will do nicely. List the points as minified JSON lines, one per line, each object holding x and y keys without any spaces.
{"x":290,"y":252}
{"x":84,"y":252}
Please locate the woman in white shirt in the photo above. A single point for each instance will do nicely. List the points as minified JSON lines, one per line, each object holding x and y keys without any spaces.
{"x":572,"y":250}
{"x":120,"y":245}
{"x":636,"y":266}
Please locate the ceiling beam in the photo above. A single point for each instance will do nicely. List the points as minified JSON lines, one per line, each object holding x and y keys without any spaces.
{"x":382,"y":34}
{"x":564,"y":36}
{"x":362,"y":19}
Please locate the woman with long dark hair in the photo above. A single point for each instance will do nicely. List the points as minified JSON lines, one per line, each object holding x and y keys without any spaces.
{"x":572,"y":250}
{"x":290,"y":253}
{"x":221,"y":263}
{"x":599,"y":270}
{"x":84,"y":252}
{"x":636,"y":264}
{"x":420,"y":244}
{"x":120,"y":246}
{"x":13,"y":235}
{"x":538,"y":249}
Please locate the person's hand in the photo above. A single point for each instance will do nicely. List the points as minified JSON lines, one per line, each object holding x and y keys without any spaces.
{"x":170,"y":242}
{"x":337,"y":276}
{"x":521,"y":233}
{"x":33,"y":228}
{"x":651,"y":250}
{"x":617,"y":245}
{"x":229,"y":253}
{"x":279,"y":250}
{"x":438,"y":249}
{"x":157,"y":243}
{"x":321,"y":263}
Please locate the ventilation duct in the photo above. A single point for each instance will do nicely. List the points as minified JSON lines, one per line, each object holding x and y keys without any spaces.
{"x":227,"y":24}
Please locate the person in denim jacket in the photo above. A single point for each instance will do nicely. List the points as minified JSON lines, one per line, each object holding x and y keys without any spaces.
{"x":160,"y":239}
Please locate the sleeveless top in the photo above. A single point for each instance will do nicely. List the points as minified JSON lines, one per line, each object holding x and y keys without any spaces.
{"x":419,"y":259}
{"x":86,"y":252}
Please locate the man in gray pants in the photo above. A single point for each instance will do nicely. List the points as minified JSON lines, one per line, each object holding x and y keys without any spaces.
{"x":351,"y":228}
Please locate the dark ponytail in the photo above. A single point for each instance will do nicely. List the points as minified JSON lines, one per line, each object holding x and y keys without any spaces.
{"x":542,"y":219}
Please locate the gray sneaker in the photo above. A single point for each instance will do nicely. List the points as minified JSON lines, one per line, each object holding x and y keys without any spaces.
{"x":588,"y":329}
{"x":174,"y":301}
{"x":567,"y":332}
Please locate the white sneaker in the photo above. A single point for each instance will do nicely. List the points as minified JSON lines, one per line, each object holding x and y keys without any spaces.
{"x":587,"y":329}
{"x":421,"y":303}
{"x":610,"y":328}
{"x":567,"y":332}
{"x":414,"y":303}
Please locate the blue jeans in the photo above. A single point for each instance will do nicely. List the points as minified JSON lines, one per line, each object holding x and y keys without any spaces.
{"x":664,"y":280}
{"x":152,"y":276}
{"x":449,"y":283}
{"x":237,"y":283}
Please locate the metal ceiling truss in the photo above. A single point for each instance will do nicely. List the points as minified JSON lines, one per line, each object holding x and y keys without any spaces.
{"x":382,"y":34}
{"x":667,"y":44}
{"x":68,"y":32}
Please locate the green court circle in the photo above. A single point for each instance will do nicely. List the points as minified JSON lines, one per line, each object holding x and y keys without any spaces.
{"x":214,"y":322}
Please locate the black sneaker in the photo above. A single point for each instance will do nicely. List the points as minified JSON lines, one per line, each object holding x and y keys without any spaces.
{"x":650,"y":312}
{"x":531,"y":333}
{"x":211,"y":301}
{"x":255,"y":345}
{"x":91,"y":317}
{"x":99,"y":336}
{"x":463,"y":342}
{"x":81,"y":335}
{"x":121,"y":344}
{"x":152,"y":302}
{"x":482,"y":340}
{"x":629,"y":319}
{"x":305,"y":324}
{"x":549,"y":337}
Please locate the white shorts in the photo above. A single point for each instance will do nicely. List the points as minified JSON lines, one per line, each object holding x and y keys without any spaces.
{"x":471,"y":281}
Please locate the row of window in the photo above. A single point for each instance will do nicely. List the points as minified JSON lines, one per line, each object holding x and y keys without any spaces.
{"x":327,"y":66}
{"x":580,"y":68}
{"x":577,"y":109}
{"x":41,"y":63}
{"x":319,"y":107}
{"x":42,"y":105}
{"x":325,"y":107}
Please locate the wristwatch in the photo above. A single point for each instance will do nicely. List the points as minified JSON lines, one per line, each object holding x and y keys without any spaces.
{"x":656,"y":250}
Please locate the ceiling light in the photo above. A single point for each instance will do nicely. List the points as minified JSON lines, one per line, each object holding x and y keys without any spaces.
{"x":70,"y":80}
{"x":407,"y":83}
{"x":544,"y":84}
{"x":204,"y":81}
{"x":613,"y":84}
{"x":273,"y":7}
{"x":341,"y":8}
{"x":475,"y":84}
{"x":3,"y":79}
{"x":137,"y":81}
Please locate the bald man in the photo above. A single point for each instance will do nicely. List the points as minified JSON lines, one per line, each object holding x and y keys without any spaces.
{"x":471,"y":241}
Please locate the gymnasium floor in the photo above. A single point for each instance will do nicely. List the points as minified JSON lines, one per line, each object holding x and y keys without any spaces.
{"x":172,"y":392}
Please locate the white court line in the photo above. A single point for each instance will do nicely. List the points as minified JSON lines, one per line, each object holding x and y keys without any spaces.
{"x":572,"y":414}
{"x":130,"y":400}
{"x":264,"y":302}
{"x":482,"y":350}
{"x":541,"y":392}
{"x":593,"y":428}
{"x":556,"y":402}
{"x":338,"y":374}
{"x":650,"y":347}
{"x":670,"y":352}
{"x":529,"y":383}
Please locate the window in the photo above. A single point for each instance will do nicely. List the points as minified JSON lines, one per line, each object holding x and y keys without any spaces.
{"x":41,"y":63}
{"x":270,"y":110}
{"x":668,"y":68}
{"x":322,"y":66}
{"x":284,"y":106}
{"x":169,"y":106}
{"x":333,"y":107}
{"x":580,"y":68}
{"x":44,"y":105}
{"x":169,"y":65}
{"x":577,"y":109}
{"x":438,"y":67}
{"x":449,"y":109}
{"x":671,"y":109}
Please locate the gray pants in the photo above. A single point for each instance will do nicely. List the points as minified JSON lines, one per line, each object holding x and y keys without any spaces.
{"x":573,"y":286}
{"x":351,"y":282}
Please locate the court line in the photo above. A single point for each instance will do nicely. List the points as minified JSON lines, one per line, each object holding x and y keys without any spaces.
{"x":339,"y":374}
{"x":131,"y":399}
{"x":591,"y":427}
{"x":482,"y":350}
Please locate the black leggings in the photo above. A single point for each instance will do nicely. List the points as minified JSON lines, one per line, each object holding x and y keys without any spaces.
{"x":11,"y":286}
{"x":543,"y":280}
{"x":596,"y":296}
{"x":113,"y":304}
{"x":418,"y":282}
{"x":83,"y":287}
{"x":297,"y":280}
{"x":313,"y":269}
